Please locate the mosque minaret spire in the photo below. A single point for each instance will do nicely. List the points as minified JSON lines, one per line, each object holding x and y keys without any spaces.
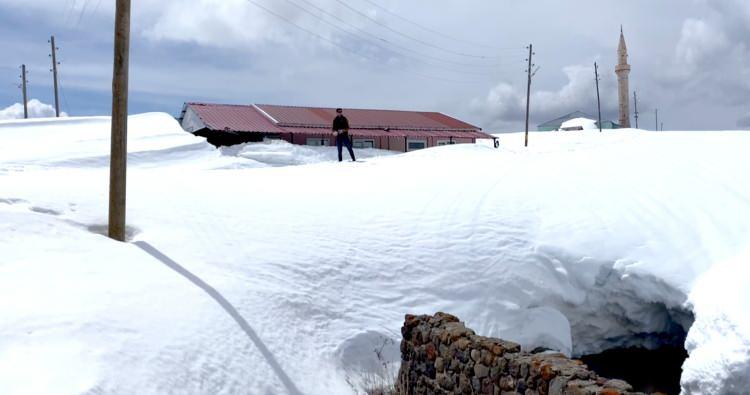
{"x":623,"y":71}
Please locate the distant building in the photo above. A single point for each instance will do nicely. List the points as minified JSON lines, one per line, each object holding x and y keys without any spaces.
{"x":556,"y":124}
{"x":224,"y":124}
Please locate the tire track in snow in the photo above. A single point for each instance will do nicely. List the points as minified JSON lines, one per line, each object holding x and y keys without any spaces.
{"x":229,"y":308}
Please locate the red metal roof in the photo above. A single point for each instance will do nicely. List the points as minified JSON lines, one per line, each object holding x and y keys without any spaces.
{"x":360,"y":118}
{"x":317,"y":121}
{"x":234,"y":118}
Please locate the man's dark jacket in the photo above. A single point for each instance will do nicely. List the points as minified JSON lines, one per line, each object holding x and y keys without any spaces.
{"x":340,"y":123}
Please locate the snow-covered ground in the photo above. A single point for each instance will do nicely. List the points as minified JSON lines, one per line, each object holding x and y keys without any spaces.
{"x":290,"y":276}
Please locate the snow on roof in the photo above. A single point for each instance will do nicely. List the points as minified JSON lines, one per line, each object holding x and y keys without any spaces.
{"x":557,"y":121}
{"x":579,"y":124}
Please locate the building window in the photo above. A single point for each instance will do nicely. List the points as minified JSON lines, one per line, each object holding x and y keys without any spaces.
{"x":413,"y":145}
{"x":444,"y":142}
{"x":318,"y":141}
{"x":363,"y":143}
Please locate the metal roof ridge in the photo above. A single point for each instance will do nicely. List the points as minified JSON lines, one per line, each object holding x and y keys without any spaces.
{"x":356,"y":109}
{"x":218,"y":104}
{"x":375,"y":127}
{"x":257,"y":106}
{"x":267,"y":115}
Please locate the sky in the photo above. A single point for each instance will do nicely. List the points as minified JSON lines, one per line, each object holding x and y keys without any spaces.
{"x":690,"y":59}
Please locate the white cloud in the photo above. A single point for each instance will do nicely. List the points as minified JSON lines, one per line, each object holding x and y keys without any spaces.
{"x":36,"y":109}
{"x":239,"y":23}
{"x":505,"y":106}
{"x":229,"y":23}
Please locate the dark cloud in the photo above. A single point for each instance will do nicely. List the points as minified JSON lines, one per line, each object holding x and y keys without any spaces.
{"x":690,"y":59}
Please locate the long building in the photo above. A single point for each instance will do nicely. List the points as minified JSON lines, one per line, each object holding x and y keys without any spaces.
{"x":225,"y":124}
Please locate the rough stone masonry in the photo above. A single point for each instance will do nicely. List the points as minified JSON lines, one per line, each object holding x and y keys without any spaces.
{"x":439,"y":355}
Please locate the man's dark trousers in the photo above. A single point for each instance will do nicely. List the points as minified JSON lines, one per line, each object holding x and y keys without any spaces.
{"x":343,"y":139}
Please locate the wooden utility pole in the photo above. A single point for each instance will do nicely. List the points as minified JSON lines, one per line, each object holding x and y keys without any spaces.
{"x":598,"y":102}
{"x":119,"y":152}
{"x":656,"y":115}
{"x":54,"y":74}
{"x":635,"y":102}
{"x":528,"y":95}
{"x":23,"y":90}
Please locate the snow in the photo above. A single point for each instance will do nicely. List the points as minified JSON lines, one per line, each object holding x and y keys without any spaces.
{"x":579,"y":124}
{"x":719,"y":343}
{"x":579,"y":243}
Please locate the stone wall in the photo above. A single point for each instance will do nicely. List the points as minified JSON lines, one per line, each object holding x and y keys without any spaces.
{"x":439,"y":355}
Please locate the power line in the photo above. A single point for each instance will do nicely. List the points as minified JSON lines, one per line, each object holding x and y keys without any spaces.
{"x":377,"y":61}
{"x":427,"y":29}
{"x":83,"y":11}
{"x":98,"y":3}
{"x":425,"y":43}
{"x":69,"y":7}
{"x":378,"y":44}
{"x":381,"y":39}
{"x":65,"y":98}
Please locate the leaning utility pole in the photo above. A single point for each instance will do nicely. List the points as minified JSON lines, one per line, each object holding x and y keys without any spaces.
{"x":119,"y":151}
{"x":635,"y":102}
{"x":528,"y":95}
{"x":23,"y":90}
{"x":54,"y":74}
{"x":598,"y":102}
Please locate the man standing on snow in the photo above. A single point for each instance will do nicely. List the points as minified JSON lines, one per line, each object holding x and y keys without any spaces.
{"x":340,"y":129}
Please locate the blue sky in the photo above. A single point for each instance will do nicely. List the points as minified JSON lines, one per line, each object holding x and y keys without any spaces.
{"x":690,"y":58}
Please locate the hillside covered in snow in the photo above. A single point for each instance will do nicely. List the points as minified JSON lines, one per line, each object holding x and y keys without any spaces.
{"x":271,"y":268}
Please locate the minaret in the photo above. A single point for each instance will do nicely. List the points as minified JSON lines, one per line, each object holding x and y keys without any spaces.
{"x":623,"y":70}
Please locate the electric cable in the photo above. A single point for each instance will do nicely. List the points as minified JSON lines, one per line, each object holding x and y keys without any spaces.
{"x":425,"y":43}
{"x":429,"y":30}
{"x":382,"y":47}
{"x":377,"y":61}
{"x":378,"y":38}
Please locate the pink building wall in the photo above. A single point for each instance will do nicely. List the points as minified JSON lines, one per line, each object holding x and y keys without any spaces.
{"x":392,"y":143}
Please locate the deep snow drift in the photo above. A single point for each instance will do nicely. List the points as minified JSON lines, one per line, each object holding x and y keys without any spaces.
{"x":582,"y":242}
